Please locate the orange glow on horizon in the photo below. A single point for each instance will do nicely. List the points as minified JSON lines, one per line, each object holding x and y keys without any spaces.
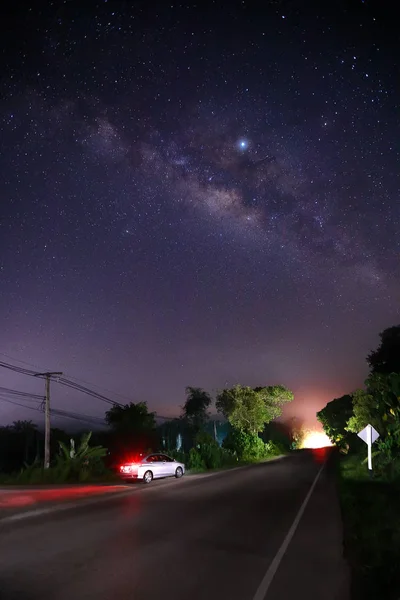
{"x":316,"y":439}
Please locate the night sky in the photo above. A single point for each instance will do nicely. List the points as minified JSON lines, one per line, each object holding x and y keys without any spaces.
{"x":197,"y":194}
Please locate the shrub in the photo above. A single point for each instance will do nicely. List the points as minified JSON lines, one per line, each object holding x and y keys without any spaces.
{"x":275,"y":448}
{"x":179,"y":455}
{"x":196,"y":462}
{"x":245,"y":446}
{"x":209,"y":450}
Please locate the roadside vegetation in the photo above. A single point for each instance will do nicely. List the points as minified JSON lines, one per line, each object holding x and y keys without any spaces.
{"x":246,"y":432}
{"x":370,"y":500}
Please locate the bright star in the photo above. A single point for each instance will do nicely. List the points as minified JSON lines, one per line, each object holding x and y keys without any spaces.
{"x":243,"y":144}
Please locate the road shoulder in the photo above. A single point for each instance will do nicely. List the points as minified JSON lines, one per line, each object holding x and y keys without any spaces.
{"x":314,"y":565}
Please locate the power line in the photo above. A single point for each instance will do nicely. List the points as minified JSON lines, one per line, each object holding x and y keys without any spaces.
{"x":100,"y":388}
{"x":58,"y":412}
{"x":80,"y":388}
{"x":17,"y":369}
{"x":14,"y":398}
{"x":19,"y":404}
{"x":61,"y":381}
{"x":76,"y":379}
{"x":20,"y":361}
{"x":77,"y":416}
{"x":22,"y":394}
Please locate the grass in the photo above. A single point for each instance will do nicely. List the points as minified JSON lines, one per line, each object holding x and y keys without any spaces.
{"x":54,"y":476}
{"x":371,"y":518}
{"x":235,"y":465}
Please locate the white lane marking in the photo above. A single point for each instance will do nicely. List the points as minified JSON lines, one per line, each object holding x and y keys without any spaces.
{"x":273,"y":567}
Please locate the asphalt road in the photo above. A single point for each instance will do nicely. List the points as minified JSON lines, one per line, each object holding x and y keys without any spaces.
{"x":205,"y":537}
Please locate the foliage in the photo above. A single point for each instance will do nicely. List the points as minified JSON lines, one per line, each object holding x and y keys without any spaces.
{"x":209,"y":450}
{"x":275,"y":448}
{"x":334,"y":418}
{"x":386,"y":391}
{"x":168,"y":433}
{"x":178,"y":455}
{"x":83,"y":464}
{"x":249,"y":409}
{"x":279,"y":433}
{"x":371,"y":531}
{"x":195,"y":408}
{"x":295,"y":433}
{"x":379,"y":405}
{"x":195,"y":462}
{"x":247,"y":447}
{"x":364,"y":412}
{"x":24,"y":426}
{"x":274,"y":396}
{"x":386,"y":358}
{"x":238,"y":447}
{"x":83,"y":461}
{"x":243,"y":407}
{"x":132,"y":419}
{"x":20,"y":443}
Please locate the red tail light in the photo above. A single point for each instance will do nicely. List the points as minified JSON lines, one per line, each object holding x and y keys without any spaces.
{"x":127,"y":467}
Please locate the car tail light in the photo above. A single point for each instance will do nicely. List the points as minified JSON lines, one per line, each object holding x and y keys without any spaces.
{"x":127,"y":468}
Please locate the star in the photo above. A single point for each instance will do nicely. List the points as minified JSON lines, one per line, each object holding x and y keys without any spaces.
{"x":243,"y":144}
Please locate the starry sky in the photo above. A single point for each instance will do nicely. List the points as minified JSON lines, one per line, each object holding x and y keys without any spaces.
{"x":197,"y":194}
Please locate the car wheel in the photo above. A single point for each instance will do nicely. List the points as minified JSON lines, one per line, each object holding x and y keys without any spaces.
{"x":179,"y":472}
{"x":147,"y":477}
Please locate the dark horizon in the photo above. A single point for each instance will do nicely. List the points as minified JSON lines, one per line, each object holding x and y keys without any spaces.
{"x":197,"y":197}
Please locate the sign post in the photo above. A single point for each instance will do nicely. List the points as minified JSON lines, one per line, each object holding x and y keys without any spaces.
{"x":369,"y":435}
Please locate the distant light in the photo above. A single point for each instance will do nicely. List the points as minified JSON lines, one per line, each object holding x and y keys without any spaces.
{"x":243,"y":144}
{"x":316,"y":439}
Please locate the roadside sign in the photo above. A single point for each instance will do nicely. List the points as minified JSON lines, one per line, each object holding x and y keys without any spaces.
{"x":369,"y":435}
{"x":363,"y":434}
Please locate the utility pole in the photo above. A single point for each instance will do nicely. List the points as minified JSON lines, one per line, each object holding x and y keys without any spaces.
{"x":47,"y":377}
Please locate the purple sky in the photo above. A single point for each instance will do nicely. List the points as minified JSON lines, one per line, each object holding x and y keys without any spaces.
{"x":198,"y":197}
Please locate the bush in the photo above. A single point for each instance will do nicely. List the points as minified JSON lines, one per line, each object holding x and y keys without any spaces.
{"x":179,"y":455}
{"x":70,"y":466}
{"x":371,"y":529}
{"x":209,"y":450}
{"x":196,"y":463}
{"x":245,"y":446}
{"x":275,"y":449}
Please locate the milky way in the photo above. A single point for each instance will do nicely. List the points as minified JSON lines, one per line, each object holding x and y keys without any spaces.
{"x":197,"y":196}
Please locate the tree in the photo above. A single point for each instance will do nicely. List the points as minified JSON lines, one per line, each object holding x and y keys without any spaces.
{"x":334,"y":418}
{"x":364,"y":412}
{"x":172,"y":433}
{"x":195,"y":408}
{"x":26,"y":435}
{"x":274,"y":396}
{"x":386,"y":391}
{"x":133,"y":429}
{"x":379,"y":405}
{"x":132,"y":419}
{"x":386,"y":358}
{"x":296,"y":432}
{"x":25,"y":427}
{"x":249,"y":409}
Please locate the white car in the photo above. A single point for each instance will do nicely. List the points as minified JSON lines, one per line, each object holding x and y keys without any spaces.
{"x":152,"y":466}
